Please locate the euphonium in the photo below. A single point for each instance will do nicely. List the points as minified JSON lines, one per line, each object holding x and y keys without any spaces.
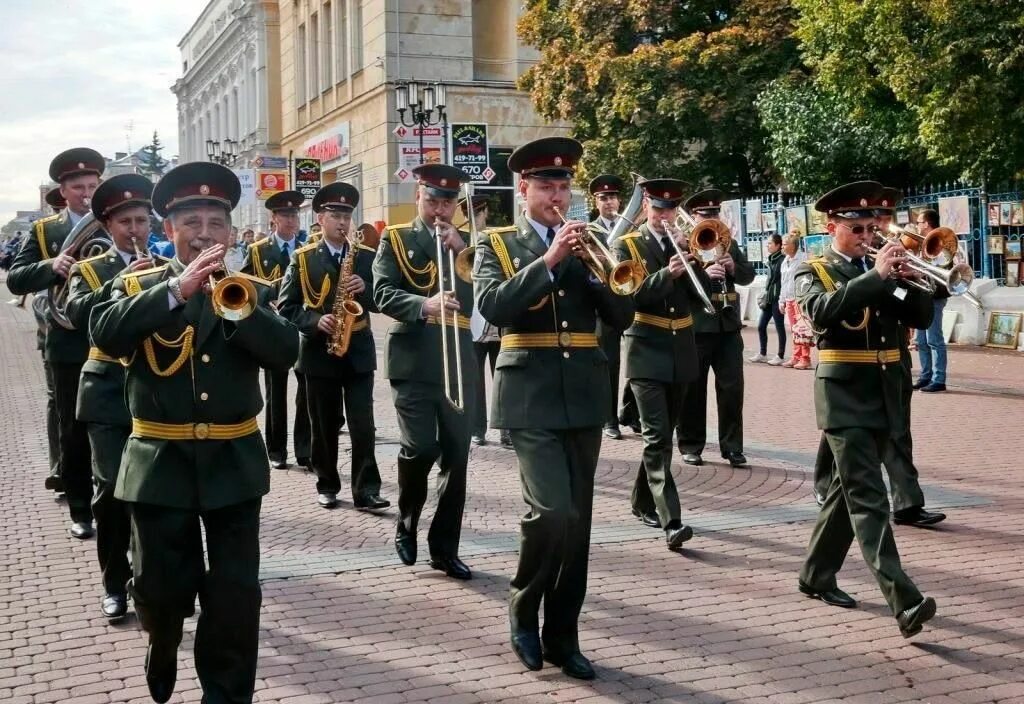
{"x":346,"y":310}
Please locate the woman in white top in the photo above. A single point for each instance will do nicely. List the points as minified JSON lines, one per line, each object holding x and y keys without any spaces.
{"x":802,"y":338}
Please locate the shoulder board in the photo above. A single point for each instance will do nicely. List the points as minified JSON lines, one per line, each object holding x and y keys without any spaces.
{"x":94,"y":259}
{"x":365,"y":248}
{"x":399,"y":226}
{"x":133,"y":280}
{"x":144,"y":272}
{"x":48,"y":218}
{"x":817,"y":259}
{"x":259,"y":243}
{"x":631,"y":236}
{"x":500,"y":230}
{"x":250,"y":277}
{"x":307,"y":247}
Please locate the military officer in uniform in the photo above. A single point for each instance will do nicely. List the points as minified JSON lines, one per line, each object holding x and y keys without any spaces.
{"x":551,"y":391}
{"x":661,"y":355}
{"x":907,"y":496}
{"x":122,"y":204}
{"x":857,"y":310}
{"x":195,"y":462}
{"x":309,"y":297}
{"x":39,"y":266}
{"x":407,"y":287}
{"x":719,"y":348}
{"x":268,"y":259}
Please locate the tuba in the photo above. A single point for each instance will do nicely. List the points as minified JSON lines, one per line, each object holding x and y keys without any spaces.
{"x":86,"y":239}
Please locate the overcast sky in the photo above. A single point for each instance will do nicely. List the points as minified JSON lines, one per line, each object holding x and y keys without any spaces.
{"x":75,"y":73}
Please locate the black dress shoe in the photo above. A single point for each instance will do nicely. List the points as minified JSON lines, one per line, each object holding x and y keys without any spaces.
{"x":736,"y":459}
{"x":405,"y":545}
{"x":451,"y":566}
{"x":54,"y":483}
{"x":675,"y":537}
{"x":819,"y":499}
{"x":911,"y":620}
{"x":479,"y":440}
{"x":327,"y":499}
{"x":650,"y":520}
{"x":114,"y":606}
{"x":921,"y":383}
{"x":574,"y":665}
{"x":918,"y":517}
{"x":526,"y":646}
{"x":693,"y":458}
{"x":280,"y":464}
{"x":161,"y":670}
{"x":832,"y":597}
{"x":636,"y":428}
{"x":506,"y":439}
{"x":372,"y":503}
{"x":933,"y":387}
{"x":82,"y":530}
{"x":613,"y":432}
{"x":304,"y":462}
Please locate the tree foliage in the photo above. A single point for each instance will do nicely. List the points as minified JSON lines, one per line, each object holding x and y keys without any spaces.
{"x":957,"y":66}
{"x":151,"y":163}
{"x":664,"y":89}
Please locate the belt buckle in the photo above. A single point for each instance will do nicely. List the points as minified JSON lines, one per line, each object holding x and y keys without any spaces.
{"x":201,"y":431}
{"x":880,"y":357}
{"x":565,"y":339}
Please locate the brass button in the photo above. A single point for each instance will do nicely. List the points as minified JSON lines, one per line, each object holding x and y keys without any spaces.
{"x":883,"y":367}
{"x":565,"y":323}
{"x":201,"y":431}
{"x":566,"y":355}
{"x":561,"y":292}
{"x":673,"y":332}
{"x":883,"y":338}
{"x":671,"y":310}
{"x":203,"y":396}
{"x":878,"y":312}
{"x":206,"y":358}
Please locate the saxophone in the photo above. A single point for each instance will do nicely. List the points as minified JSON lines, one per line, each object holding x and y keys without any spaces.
{"x":345,"y":309}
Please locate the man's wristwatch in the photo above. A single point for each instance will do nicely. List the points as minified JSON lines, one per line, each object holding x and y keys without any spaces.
{"x":174,"y":286}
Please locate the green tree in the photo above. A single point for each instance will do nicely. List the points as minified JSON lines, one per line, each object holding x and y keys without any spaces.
{"x":955,"y":65}
{"x":150,"y":162}
{"x":664,"y":89}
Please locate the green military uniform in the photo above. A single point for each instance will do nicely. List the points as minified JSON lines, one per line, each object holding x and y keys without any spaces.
{"x":719,"y":347}
{"x":858,"y":402}
{"x":404,"y":276}
{"x":53,"y":481}
{"x":102,"y":407}
{"x":268,"y":261}
{"x":308,"y":293}
{"x":551,"y":392}
{"x":65,"y":353}
{"x":661,"y":356}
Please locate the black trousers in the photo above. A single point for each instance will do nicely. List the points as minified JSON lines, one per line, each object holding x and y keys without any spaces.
{"x":325,"y":398}
{"x":610,"y":340}
{"x":722,"y":352}
{"x":169,"y":571}
{"x":113,"y":525}
{"x":277,"y":417}
{"x":431,"y":431}
{"x":73,"y":438}
{"x":654,"y":489}
{"x":556,"y":470}
{"x":485,"y":352}
{"x":52,"y":424}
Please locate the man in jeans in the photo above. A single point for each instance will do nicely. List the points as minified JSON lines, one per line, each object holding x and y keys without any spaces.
{"x":931,"y":343}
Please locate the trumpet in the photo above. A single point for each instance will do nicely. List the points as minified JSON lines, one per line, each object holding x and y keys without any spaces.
{"x":622,"y":277}
{"x":709,"y":240}
{"x":233,"y":297}
{"x":140,"y":253}
{"x":457,"y":401}
{"x":674,"y":232}
{"x":957,"y":278}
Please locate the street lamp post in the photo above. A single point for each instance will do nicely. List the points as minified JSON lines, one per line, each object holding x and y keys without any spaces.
{"x":224,"y":153}
{"x":426,"y":107}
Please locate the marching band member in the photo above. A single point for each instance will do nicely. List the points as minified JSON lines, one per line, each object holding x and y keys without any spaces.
{"x":857,"y":310}
{"x":407,"y":286}
{"x":719,"y":348}
{"x":268,"y":259}
{"x":122,"y":204}
{"x":195,"y":463}
{"x":551,"y":392}
{"x":321,"y":277}
{"x":661,"y":355}
{"x":39,"y":265}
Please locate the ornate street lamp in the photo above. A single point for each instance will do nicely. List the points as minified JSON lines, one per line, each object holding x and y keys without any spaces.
{"x":224,"y":153}
{"x":426,"y":107}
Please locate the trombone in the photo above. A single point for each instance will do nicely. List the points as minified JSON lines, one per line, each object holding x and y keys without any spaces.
{"x":709,"y":239}
{"x":937,"y":247}
{"x":622,"y":277}
{"x":458,"y":402}
{"x":674,"y":232}
{"x":957,"y":278}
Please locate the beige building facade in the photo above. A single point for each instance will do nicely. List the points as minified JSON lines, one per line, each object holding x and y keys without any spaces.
{"x":341,"y":60}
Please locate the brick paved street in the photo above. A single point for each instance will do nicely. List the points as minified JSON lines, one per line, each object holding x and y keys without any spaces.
{"x":344,"y":621}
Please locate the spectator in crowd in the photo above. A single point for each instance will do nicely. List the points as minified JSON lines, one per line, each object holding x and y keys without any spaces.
{"x":931,"y":343}
{"x":798,"y":324}
{"x":770,"y":309}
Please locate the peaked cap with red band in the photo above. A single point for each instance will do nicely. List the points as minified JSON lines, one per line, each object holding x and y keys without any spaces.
{"x":664,"y":192}
{"x":196,"y":183}
{"x":853,"y":200}
{"x":54,"y":199}
{"x":605,"y":183}
{"x":548,"y":157}
{"x":706,"y":202}
{"x":340,"y":196}
{"x":119,"y":192}
{"x":76,"y":162}
{"x":440,"y":180}
{"x":285,"y":200}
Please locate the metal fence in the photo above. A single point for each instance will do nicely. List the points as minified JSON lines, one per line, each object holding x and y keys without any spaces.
{"x":992,"y":245}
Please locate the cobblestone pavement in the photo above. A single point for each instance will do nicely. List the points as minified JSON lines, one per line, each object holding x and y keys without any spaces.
{"x":722,"y":622}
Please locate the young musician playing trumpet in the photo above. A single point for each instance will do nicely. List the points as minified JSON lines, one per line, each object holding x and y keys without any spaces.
{"x":320,"y":276}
